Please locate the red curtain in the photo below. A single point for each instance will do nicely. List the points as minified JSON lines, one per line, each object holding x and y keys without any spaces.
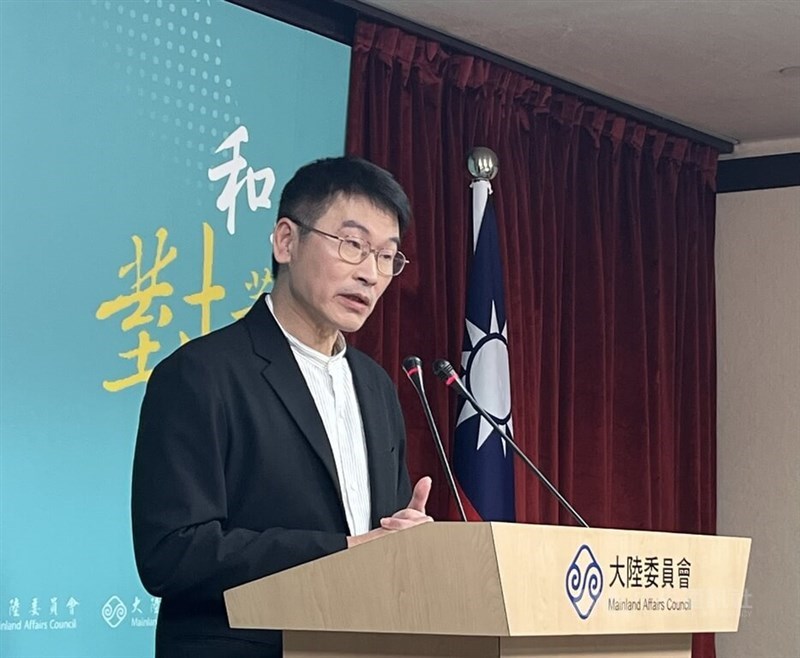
{"x":607,"y":241}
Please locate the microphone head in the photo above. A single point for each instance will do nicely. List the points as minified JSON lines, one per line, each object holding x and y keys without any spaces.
{"x":442,"y":369}
{"x":411,"y":362}
{"x":412,"y":366}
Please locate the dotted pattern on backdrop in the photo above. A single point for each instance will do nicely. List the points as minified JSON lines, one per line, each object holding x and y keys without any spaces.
{"x":173,"y":66}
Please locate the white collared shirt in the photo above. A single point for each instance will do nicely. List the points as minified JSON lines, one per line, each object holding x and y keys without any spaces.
{"x":330,"y":382}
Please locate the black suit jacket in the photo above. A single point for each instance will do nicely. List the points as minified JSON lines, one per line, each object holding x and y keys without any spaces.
{"x":234,"y":478}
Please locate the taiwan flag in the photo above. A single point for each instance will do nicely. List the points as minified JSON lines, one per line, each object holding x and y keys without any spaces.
{"x":482,"y":460}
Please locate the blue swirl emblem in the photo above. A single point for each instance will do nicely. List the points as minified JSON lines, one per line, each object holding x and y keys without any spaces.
{"x":584,"y":582}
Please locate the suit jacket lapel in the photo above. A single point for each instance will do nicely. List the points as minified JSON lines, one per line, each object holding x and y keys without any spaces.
{"x":376,"y":434}
{"x":283,"y":375}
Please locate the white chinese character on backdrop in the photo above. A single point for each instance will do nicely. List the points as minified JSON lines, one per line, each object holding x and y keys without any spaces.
{"x":13,"y":607}
{"x":34,"y":607}
{"x":226,"y":201}
{"x":155,"y":604}
{"x":54,"y":606}
{"x":137,"y":602}
{"x":72,"y":604}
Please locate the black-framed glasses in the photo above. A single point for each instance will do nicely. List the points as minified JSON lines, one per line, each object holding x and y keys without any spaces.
{"x":355,"y":250}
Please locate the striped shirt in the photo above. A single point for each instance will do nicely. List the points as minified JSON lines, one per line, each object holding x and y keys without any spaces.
{"x":330,"y":382}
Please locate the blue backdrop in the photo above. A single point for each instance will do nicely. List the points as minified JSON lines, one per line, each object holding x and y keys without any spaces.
{"x":144,"y":146}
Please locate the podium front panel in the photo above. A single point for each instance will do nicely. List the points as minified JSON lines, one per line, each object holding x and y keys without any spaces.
{"x":300,"y":644}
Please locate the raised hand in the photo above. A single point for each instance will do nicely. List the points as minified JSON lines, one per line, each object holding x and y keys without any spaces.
{"x":403,"y":519}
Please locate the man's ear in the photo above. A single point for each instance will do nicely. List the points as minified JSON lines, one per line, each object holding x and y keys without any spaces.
{"x":283,"y":239}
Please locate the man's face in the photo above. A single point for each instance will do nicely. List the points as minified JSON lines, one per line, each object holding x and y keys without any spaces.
{"x":332,"y":294}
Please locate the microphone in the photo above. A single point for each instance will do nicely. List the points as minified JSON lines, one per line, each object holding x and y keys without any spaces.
{"x":412,"y":366}
{"x":445,"y":371}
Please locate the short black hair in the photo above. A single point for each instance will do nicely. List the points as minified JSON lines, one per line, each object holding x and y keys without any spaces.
{"x":315,"y":186}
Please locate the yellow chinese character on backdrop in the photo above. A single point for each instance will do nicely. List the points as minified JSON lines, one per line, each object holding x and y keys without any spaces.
{"x":257,"y":283}
{"x":209,"y":292}
{"x":146,"y":289}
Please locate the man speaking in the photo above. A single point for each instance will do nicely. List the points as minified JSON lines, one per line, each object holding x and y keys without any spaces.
{"x":270,"y":442}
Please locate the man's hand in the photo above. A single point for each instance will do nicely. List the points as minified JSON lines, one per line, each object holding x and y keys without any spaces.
{"x":412,"y":515}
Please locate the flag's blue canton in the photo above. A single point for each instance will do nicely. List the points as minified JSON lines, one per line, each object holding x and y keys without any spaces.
{"x":483,"y":462}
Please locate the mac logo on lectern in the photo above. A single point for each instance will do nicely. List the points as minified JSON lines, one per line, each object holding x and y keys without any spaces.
{"x":584,"y":582}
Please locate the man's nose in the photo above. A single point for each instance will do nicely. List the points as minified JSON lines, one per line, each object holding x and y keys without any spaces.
{"x":368,"y":268}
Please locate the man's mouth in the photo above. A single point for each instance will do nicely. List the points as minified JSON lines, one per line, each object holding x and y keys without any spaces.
{"x":357,"y":298}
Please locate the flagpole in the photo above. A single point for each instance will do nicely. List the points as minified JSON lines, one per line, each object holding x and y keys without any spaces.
{"x":482,"y":165}
{"x":484,"y":467}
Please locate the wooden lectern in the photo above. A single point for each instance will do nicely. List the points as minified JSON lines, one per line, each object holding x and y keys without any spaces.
{"x":481,"y":590}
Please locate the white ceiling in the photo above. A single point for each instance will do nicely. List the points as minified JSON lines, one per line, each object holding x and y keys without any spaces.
{"x":708,"y":64}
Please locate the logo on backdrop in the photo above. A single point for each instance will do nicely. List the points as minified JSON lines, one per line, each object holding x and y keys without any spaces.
{"x":140,"y":612}
{"x":114,"y":611}
{"x":38,"y":614}
{"x":584,"y":582}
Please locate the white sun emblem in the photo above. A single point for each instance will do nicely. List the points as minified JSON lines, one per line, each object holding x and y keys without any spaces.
{"x":487,"y":377}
